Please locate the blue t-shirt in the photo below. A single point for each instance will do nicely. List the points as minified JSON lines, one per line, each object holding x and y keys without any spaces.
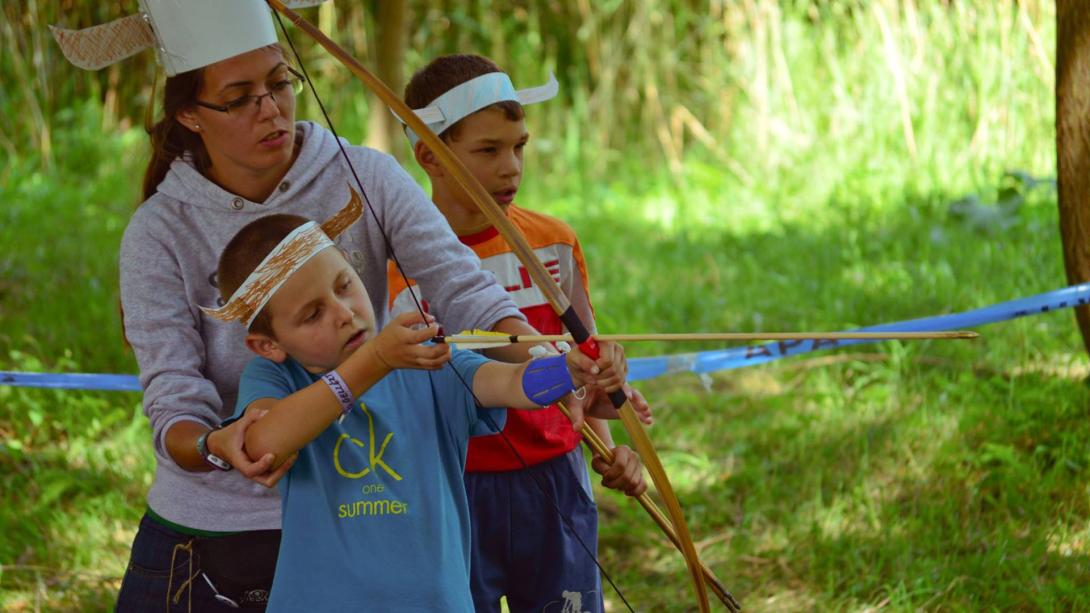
{"x":375,"y":515}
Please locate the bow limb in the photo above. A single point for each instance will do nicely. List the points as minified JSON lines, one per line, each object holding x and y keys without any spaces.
{"x":598,"y":446}
{"x":537,"y":271}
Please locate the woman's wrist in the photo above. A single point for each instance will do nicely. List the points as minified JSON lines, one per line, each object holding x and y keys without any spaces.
{"x":209,"y":448}
{"x":181,"y":445}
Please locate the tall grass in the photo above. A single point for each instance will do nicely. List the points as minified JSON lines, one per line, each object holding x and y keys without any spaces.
{"x":747,"y":165}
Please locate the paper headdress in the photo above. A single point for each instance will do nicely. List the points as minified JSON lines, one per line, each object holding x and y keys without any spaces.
{"x":283,"y":261}
{"x":467,"y":98}
{"x":186,"y":34}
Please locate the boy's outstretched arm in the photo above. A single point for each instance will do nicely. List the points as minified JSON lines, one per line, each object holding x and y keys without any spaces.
{"x":501,"y":384}
{"x":289,"y":423}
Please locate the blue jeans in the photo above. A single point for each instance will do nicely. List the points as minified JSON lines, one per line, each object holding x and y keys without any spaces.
{"x":521,"y":547}
{"x":149,"y":575}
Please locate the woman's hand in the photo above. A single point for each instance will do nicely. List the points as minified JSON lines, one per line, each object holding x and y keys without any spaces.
{"x":228,"y":443}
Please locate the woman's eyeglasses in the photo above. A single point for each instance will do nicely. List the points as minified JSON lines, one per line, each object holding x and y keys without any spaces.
{"x":247,"y":106}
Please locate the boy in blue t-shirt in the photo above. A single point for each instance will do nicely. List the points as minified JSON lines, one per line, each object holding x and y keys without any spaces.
{"x":374,"y":509}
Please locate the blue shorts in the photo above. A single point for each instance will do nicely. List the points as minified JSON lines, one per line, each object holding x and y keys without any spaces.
{"x":521,"y":547}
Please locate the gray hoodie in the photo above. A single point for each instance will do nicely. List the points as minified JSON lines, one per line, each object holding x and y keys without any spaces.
{"x":190,"y":363}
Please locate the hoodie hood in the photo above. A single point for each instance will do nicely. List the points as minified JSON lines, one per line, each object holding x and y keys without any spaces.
{"x":317,"y":149}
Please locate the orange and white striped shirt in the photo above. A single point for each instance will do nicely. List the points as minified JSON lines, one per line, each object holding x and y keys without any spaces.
{"x":537,"y":435}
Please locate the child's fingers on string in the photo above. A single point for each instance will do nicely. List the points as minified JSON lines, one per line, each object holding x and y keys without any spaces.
{"x":422,"y":334}
{"x":433,"y":357}
{"x":439,"y":350}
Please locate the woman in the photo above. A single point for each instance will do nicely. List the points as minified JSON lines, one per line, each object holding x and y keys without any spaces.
{"x":227,"y":150}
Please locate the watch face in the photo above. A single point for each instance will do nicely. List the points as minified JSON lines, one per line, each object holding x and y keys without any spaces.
{"x":216,"y":461}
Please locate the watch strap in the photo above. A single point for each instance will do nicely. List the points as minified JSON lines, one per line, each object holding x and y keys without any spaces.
{"x":213,"y":460}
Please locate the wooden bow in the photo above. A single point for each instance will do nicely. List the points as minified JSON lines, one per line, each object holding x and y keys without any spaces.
{"x":544,"y":280}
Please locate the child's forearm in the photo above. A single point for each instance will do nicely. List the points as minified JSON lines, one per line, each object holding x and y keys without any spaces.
{"x":294,"y":421}
{"x":498,"y":384}
{"x":529,"y":385}
{"x":601,"y":428}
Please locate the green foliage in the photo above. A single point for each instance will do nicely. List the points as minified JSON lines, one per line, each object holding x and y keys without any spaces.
{"x":728,"y":166}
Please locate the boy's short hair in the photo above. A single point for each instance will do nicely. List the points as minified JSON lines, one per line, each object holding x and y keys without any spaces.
{"x":245,"y":251}
{"x":449,"y":71}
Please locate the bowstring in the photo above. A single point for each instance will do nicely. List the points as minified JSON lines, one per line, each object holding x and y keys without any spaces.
{"x":397,"y":263}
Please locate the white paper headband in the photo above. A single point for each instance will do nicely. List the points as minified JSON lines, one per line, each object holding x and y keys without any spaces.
{"x":467,"y":98}
{"x":186,"y":34}
{"x":289,"y":255}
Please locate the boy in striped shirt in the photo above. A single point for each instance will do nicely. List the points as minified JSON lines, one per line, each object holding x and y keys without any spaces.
{"x":521,"y":547}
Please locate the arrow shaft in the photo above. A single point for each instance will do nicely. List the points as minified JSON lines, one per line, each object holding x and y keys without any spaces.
{"x":713,"y":336}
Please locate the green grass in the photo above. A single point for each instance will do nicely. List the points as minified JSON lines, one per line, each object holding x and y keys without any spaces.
{"x":901,"y":476}
{"x":75,"y":466}
{"x":935,"y":475}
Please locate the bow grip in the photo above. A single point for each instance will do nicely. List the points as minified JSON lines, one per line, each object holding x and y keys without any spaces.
{"x":589,"y":347}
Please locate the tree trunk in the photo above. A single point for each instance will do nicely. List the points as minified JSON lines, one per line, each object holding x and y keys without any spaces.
{"x":1073,"y":143}
{"x":383,"y":129}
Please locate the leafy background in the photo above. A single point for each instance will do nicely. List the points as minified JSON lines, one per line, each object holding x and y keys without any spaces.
{"x":743,"y":165}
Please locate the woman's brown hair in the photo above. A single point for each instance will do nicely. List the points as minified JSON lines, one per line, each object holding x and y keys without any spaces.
{"x":171,"y":140}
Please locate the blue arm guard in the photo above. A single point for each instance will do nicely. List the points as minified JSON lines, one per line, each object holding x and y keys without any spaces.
{"x":547,"y":380}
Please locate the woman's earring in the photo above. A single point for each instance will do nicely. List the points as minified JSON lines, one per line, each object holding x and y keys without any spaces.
{"x":197,"y":126}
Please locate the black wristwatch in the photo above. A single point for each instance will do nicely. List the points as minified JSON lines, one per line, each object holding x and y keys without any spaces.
{"x":214,"y":460}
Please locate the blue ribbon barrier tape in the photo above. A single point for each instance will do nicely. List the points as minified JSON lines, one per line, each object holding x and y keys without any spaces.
{"x":751,"y":355}
{"x":71,"y":381}
{"x":640,"y":369}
